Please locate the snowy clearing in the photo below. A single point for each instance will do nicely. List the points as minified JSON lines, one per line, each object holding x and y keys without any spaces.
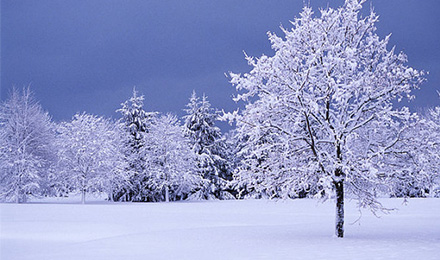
{"x":252,"y":229}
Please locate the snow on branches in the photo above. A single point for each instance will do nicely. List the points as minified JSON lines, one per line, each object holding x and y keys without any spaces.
{"x":319,"y":112}
{"x":135,"y":123}
{"x":26,"y":147}
{"x":170,"y":161}
{"x":209,"y":147}
{"x":90,"y":158}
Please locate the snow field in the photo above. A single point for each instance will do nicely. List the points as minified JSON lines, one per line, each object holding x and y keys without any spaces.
{"x":251,"y":229}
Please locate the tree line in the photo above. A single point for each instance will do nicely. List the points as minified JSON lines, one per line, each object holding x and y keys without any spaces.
{"x":143,"y":156}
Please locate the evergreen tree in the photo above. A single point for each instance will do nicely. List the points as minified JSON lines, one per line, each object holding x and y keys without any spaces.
{"x":135,"y":122}
{"x":209,"y":146}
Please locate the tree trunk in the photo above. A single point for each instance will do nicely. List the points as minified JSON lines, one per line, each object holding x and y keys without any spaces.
{"x":83,"y":196}
{"x":167,"y":194}
{"x":339,"y":230}
{"x":339,"y":184}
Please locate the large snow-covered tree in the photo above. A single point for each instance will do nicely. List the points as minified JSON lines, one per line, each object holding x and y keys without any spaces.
{"x":135,"y":122}
{"x":208,"y":145}
{"x":26,"y":146}
{"x":170,"y":161}
{"x":319,"y":113}
{"x":89,"y":153}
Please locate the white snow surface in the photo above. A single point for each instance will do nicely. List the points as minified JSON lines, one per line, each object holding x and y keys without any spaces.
{"x":250,"y":229}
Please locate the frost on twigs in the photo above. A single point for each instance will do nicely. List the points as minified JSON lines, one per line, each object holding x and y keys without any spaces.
{"x":322,"y":111}
{"x":27,"y":151}
{"x":229,"y":117}
{"x":90,"y":155}
{"x":209,"y":147}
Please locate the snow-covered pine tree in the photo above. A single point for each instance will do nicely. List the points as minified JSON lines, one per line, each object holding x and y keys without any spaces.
{"x":170,"y":161}
{"x":330,"y":81}
{"x":27,"y":150}
{"x":89,"y":153}
{"x":209,"y":146}
{"x":135,"y":122}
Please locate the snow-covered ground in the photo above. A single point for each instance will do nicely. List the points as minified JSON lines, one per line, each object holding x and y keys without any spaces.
{"x":253,"y":229}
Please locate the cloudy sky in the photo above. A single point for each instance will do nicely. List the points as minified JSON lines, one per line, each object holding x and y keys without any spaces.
{"x":86,"y":55}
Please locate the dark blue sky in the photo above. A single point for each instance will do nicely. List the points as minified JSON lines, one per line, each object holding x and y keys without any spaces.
{"x":86,"y":55}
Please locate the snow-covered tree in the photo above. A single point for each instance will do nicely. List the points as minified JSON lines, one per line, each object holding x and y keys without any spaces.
{"x":315,"y":108}
{"x":135,"y":123}
{"x":233,"y":157}
{"x":265,"y":164}
{"x":431,"y":158}
{"x":90,"y":157}
{"x":208,"y":145}
{"x":26,"y":146}
{"x":170,"y":161}
{"x":424,"y":149}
